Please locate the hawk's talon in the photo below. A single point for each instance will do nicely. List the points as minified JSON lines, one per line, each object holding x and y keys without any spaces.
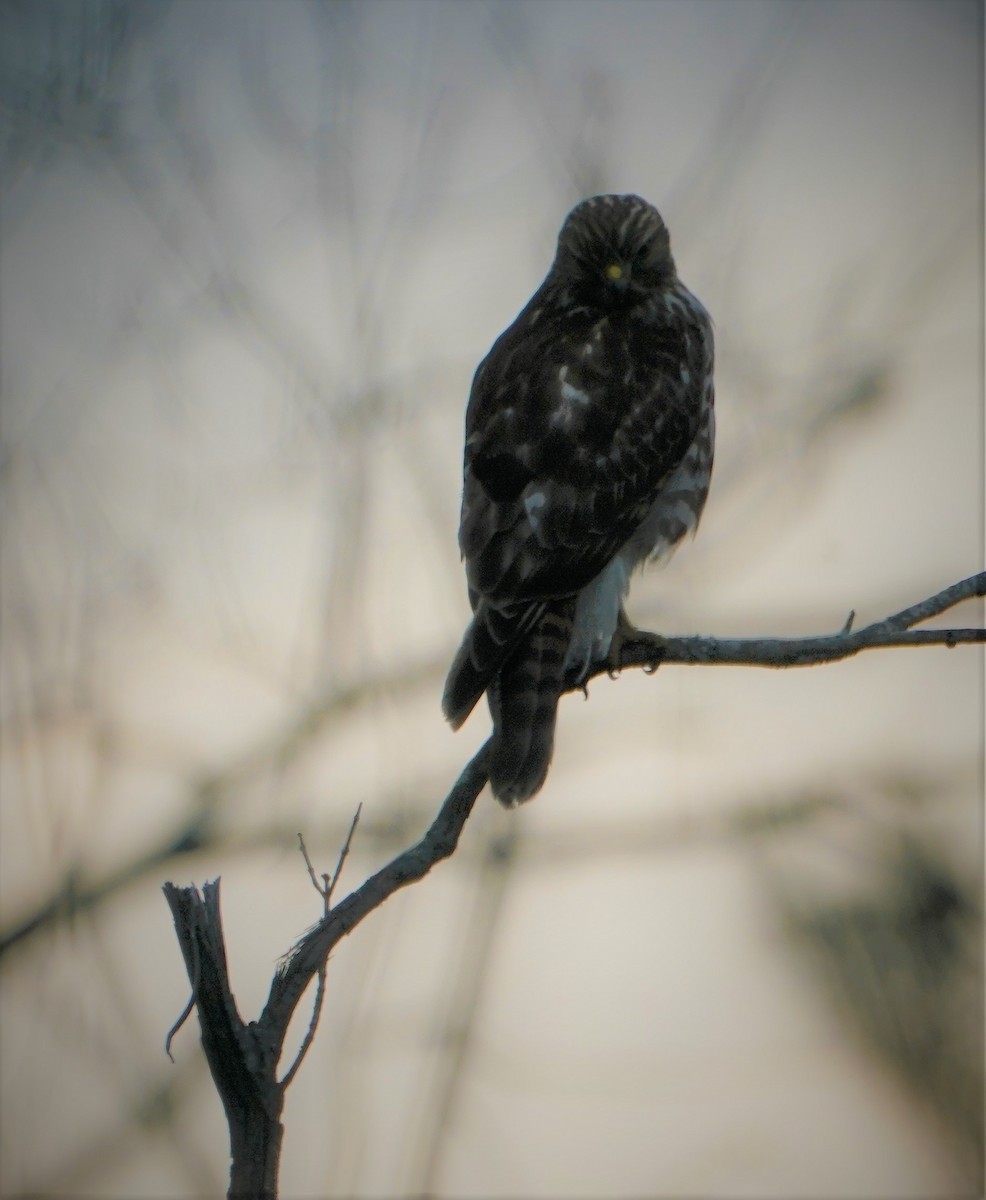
{"x":626,"y":633}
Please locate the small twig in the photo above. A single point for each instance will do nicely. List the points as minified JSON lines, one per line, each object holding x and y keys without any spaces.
{"x":187,"y":1011}
{"x":343,"y":855}
{"x":965,"y":589}
{"x":309,"y":1037}
{"x":324,"y":889}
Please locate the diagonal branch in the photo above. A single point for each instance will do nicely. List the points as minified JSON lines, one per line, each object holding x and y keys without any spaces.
{"x":441,"y":839}
{"x":408,"y":867}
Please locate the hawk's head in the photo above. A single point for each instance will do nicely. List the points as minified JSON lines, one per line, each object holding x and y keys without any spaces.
{"x":613,"y":250}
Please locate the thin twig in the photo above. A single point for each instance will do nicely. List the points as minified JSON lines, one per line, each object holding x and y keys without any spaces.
{"x":187,"y":1011}
{"x":325,"y":891}
{"x":310,"y":1032}
{"x":344,"y":854}
{"x":321,"y":888}
{"x":948,"y":597}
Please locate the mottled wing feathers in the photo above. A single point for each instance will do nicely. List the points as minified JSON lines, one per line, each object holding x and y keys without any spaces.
{"x":563,"y":456}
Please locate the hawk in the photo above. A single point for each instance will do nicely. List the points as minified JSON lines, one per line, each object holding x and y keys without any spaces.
{"x":589,"y":442}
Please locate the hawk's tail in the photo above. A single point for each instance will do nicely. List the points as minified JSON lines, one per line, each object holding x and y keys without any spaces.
{"x":491,"y":638}
{"x":524,"y":703}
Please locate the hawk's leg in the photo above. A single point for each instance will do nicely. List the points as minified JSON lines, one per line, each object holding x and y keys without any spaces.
{"x":626,"y":633}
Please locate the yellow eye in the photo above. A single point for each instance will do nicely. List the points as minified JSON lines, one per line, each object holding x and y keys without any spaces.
{"x":614,"y":271}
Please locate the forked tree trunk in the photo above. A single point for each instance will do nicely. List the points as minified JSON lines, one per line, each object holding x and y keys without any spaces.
{"x":242,"y":1064}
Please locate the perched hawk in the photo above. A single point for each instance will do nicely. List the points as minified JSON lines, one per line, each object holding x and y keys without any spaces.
{"x":589,"y":437}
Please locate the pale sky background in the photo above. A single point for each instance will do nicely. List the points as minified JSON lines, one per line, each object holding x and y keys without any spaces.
{"x":251,"y":255}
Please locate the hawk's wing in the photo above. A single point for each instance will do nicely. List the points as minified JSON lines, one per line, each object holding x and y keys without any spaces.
{"x":574,"y":420}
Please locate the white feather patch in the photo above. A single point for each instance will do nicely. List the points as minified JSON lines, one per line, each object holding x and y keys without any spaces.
{"x":596,"y":613}
{"x":571,"y":398}
{"x":532,"y":506}
{"x":569,"y":393}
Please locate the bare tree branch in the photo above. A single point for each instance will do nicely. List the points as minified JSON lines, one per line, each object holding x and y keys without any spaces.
{"x":441,"y":838}
{"x":895,"y":630}
{"x":243,"y":1058}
